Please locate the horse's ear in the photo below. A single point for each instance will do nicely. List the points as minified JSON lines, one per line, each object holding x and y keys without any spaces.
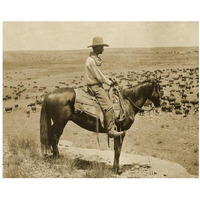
{"x":148,"y":76}
{"x":158,"y":80}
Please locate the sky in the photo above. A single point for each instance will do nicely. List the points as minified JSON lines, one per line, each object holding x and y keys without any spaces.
{"x":78,"y":35}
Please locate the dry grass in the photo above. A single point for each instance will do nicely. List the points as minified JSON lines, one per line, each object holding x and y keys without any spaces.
{"x":93,"y":169}
{"x":99,"y":170}
{"x":15,"y":172}
{"x":23,"y":142}
{"x":63,"y":167}
{"x":23,"y":160}
{"x":20,"y":147}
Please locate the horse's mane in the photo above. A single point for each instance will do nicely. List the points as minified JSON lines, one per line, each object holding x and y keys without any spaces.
{"x":126,"y":91}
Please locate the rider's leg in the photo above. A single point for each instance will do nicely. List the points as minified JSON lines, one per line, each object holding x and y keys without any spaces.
{"x":109,"y":122}
{"x":107,"y":108}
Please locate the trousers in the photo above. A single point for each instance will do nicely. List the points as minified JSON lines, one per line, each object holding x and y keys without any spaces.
{"x":102,"y":97}
{"x":107,"y":107}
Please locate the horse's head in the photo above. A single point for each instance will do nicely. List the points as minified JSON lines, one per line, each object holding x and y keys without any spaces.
{"x":156,"y":93}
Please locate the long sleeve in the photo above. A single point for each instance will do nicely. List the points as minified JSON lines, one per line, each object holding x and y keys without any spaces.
{"x":98,"y":74}
{"x":94,"y":74}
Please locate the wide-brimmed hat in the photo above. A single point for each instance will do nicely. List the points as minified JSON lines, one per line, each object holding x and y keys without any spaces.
{"x":98,"y":41}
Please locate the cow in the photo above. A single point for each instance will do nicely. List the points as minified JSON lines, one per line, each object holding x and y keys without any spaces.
{"x":186,"y":112}
{"x":178,"y":112}
{"x":184,"y":96}
{"x":171,"y":99}
{"x":184,"y":101}
{"x":8,"y":96}
{"x":38,"y":102}
{"x":8,"y":109}
{"x":177,"y":106}
{"x":28,"y":111}
{"x":33,"y":108}
{"x":31,"y":104}
{"x":195,"y":102}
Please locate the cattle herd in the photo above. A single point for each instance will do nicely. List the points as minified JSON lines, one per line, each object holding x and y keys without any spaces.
{"x":179,"y":88}
{"x":18,"y":95}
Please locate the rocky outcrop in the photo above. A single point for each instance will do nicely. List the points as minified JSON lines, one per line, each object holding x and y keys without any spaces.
{"x":132,"y":165}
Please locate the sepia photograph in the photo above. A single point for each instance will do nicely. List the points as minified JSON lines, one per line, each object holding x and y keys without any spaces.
{"x":114,"y":99}
{"x":99,"y":100}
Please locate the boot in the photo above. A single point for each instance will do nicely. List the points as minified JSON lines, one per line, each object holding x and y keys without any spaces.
{"x":109,"y":123}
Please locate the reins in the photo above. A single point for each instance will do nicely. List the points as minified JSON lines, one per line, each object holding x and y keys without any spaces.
{"x":140,"y":109}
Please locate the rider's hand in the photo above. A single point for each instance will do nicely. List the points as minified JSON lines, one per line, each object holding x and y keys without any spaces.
{"x":114,"y":82}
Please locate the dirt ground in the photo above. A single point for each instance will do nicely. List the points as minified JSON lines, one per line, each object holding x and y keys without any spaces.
{"x":165,"y":135}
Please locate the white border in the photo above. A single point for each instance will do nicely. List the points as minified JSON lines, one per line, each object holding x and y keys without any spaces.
{"x":104,"y":10}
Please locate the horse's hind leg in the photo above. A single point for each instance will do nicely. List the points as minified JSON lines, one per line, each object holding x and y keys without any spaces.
{"x":55,"y":136}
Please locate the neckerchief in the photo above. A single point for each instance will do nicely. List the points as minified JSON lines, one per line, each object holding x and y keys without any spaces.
{"x":97,"y":59}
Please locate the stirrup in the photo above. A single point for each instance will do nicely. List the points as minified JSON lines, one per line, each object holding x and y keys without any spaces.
{"x":115,"y":134}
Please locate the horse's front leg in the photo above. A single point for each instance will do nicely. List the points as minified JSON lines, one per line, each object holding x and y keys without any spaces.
{"x":117,"y":147}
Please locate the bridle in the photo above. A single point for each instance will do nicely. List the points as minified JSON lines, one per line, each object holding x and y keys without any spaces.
{"x":140,"y":109}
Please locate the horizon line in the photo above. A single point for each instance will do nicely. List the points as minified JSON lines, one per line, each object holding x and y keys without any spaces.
{"x":106,"y":48}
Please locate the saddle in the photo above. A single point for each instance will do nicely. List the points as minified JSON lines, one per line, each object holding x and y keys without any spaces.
{"x":86,"y":102}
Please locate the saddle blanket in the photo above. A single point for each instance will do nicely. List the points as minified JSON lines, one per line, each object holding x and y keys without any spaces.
{"x":84,"y":102}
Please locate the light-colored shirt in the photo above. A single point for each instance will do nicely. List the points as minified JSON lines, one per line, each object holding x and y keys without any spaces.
{"x":93,"y":74}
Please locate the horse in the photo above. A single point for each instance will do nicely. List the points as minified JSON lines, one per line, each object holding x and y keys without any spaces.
{"x":58,"y":106}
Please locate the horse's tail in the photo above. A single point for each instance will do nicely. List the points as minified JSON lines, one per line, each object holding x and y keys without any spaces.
{"x":45,"y":124}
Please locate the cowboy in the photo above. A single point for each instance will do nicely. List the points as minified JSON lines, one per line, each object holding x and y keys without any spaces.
{"x":95,"y":80}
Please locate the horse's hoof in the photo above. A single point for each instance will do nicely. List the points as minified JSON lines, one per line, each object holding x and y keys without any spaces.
{"x":56,"y":156}
{"x":61,"y":155}
{"x":117,"y":171}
